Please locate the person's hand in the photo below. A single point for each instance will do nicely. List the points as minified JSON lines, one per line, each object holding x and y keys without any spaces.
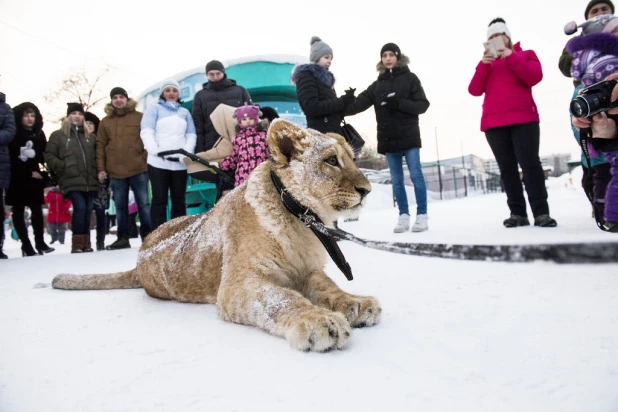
{"x":504,"y":53}
{"x":102,"y":176}
{"x":614,"y":92}
{"x":391,"y":103}
{"x":488,"y":57}
{"x":37,"y":175}
{"x":580,"y":122}
{"x":348,"y":97}
{"x":602,"y":126}
{"x":26,"y":152}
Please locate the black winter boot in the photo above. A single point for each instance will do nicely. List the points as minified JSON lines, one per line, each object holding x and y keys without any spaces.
{"x":2,"y":255}
{"x":27,"y":249}
{"x":120,"y":243}
{"x":516,"y":220}
{"x":544,"y":221}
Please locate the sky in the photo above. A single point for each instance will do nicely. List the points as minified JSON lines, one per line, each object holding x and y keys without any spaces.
{"x":455,"y":335}
{"x":144,"y":42}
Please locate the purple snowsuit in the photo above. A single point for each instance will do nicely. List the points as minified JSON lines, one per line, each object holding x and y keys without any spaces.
{"x":595,"y":56}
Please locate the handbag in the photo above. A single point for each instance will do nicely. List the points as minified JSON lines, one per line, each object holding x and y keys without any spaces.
{"x":49,"y":179}
{"x":353,"y":138}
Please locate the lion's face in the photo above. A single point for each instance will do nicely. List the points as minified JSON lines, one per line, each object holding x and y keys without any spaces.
{"x":318,"y":170}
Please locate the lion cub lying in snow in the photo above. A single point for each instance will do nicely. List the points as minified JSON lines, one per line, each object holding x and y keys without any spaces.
{"x":257,"y":262}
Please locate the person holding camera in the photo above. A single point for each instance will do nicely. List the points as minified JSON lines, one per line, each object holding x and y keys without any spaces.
{"x":510,"y":121}
{"x":595,"y":56}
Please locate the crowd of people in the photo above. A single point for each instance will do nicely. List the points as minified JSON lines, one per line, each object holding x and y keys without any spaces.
{"x":88,"y":161}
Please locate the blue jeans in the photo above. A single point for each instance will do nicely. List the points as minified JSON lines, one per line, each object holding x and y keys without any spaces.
{"x":83,"y":202}
{"x":395,"y":165}
{"x":139,"y":185}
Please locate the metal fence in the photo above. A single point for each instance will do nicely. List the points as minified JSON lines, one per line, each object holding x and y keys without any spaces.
{"x":443,"y":181}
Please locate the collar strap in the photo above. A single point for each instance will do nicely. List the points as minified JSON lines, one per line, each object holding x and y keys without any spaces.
{"x":313,"y":222}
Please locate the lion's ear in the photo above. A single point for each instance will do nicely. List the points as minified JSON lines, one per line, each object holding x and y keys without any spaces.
{"x":285,"y":140}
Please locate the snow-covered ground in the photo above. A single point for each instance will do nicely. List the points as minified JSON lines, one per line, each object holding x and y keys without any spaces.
{"x":455,"y":335}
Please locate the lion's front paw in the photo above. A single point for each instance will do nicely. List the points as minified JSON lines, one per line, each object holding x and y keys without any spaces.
{"x":360,"y":311}
{"x":319,"y":330}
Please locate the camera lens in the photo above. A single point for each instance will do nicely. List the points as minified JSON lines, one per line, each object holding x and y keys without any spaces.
{"x":580,"y":107}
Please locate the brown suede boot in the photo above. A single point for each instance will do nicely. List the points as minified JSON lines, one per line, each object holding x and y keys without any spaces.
{"x":86,"y":245}
{"x":77,"y":243}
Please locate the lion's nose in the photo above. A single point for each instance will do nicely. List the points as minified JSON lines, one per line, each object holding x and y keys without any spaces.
{"x":362,"y":191}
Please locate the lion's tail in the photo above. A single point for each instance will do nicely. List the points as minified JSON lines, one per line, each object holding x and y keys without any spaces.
{"x":119,"y":280}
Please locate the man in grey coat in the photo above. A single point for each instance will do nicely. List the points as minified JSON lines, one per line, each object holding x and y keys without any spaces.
{"x":7,"y":133}
{"x":218,"y":90}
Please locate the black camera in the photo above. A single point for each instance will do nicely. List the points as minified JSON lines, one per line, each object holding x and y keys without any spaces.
{"x":594,"y":99}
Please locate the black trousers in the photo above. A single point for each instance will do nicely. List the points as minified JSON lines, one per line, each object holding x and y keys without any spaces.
{"x":36,"y":217}
{"x":2,"y":217}
{"x":519,"y":144}
{"x":162,"y":181}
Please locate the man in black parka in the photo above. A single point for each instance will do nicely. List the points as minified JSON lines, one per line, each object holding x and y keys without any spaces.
{"x":218,"y":90}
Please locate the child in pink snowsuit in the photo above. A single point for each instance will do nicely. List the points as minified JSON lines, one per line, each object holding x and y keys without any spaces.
{"x":250,"y":146}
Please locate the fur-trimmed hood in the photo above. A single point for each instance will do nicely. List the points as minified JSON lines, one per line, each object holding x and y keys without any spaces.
{"x":66,"y":129}
{"x":110,"y":110}
{"x":18,"y":112}
{"x":403,"y":61}
{"x":319,"y":72}
{"x":605,"y":43}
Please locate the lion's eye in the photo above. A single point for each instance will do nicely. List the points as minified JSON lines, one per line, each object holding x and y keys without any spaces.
{"x":332,"y":161}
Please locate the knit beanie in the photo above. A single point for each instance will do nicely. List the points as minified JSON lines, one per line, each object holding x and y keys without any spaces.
{"x":74,"y":107}
{"x":392,"y":47}
{"x":169,"y":83}
{"x":318,"y":49}
{"x":215,"y":65}
{"x":247,"y":111}
{"x":594,"y":3}
{"x":91,"y":117}
{"x":498,"y":27}
{"x":118,"y":90}
{"x":605,"y":23}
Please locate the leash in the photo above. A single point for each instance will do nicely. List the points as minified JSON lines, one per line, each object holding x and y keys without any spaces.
{"x":556,"y":252}
{"x":313,"y":222}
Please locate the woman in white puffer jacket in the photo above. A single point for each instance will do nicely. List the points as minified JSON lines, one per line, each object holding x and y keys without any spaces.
{"x":167,"y":126}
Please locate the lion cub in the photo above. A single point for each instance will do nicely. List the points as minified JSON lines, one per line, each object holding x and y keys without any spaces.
{"x":257,"y":262}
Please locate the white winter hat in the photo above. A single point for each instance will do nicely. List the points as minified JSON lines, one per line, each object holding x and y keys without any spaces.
{"x":169,"y":82}
{"x":498,"y":28}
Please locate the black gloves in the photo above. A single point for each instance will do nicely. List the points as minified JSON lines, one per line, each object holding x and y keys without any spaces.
{"x":391,"y":103}
{"x":348,"y":97}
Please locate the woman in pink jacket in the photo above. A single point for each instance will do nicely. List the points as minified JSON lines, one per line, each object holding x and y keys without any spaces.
{"x":511,"y":123}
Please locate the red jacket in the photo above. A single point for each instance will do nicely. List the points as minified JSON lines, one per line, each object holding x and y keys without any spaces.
{"x":58,"y":211}
{"x":507,"y":84}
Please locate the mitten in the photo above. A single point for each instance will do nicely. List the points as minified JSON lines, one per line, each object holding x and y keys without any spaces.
{"x":390,"y":103}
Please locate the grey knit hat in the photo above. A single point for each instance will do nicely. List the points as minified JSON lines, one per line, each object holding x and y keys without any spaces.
{"x":318,"y":49}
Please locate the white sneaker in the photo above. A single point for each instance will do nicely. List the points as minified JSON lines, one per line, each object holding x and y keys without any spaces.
{"x":421,"y":223}
{"x":403,"y":224}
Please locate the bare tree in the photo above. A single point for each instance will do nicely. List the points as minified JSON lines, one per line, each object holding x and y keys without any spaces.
{"x":79,"y":87}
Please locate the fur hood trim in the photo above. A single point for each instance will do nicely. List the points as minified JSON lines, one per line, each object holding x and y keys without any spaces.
{"x":262,"y":126}
{"x":112,"y":111}
{"x":401,"y":62}
{"x":605,"y":43}
{"x":321,"y":73}
{"x":66,"y":129}
{"x":18,"y":112}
